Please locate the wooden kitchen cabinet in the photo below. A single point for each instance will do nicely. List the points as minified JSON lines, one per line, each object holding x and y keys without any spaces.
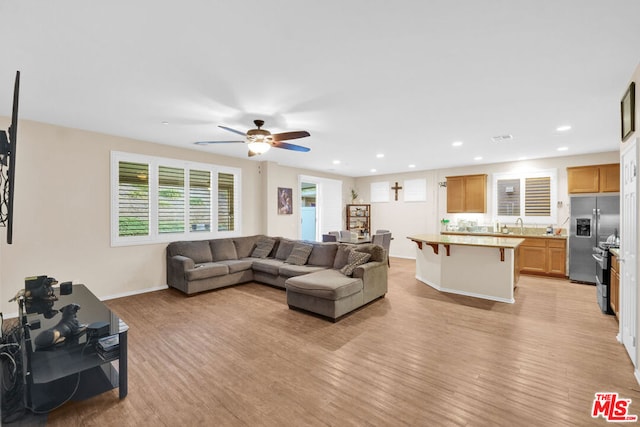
{"x":594,"y":179}
{"x":467,"y":193}
{"x":610,"y":178}
{"x":543,"y":256}
{"x":614,"y":286}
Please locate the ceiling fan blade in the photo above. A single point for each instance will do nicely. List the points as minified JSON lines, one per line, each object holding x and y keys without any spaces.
{"x":217,"y":142}
{"x":232,"y":130}
{"x":288,"y":146}
{"x":290,"y":135}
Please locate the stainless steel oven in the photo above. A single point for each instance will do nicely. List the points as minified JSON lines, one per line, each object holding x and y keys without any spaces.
{"x":602,"y":257}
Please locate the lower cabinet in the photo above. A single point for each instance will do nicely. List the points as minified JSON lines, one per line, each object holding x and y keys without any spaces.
{"x":614,"y":288}
{"x":543,"y":256}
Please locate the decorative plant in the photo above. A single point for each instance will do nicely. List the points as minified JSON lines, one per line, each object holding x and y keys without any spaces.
{"x":354,"y":195}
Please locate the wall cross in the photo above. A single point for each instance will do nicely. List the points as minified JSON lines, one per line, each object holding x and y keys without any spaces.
{"x":396,"y":188}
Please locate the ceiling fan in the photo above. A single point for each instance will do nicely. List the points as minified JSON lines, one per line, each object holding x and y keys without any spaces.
{"x":261,"y":140}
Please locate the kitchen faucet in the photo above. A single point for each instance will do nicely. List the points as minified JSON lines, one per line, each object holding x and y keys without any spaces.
{"x":521,"y":225}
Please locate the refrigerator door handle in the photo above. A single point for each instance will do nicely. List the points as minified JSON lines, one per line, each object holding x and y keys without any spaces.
{"x":598,"y":224}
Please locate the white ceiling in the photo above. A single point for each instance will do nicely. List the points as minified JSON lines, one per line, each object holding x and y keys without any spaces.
{"x":402,"y":78}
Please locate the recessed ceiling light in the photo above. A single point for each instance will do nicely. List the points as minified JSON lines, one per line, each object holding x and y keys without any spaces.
{"x":412,"y":166}
{"x":372,"y":170}
{"x":477,"y":158}
{"x":165,"y":123}
{"x":456,"y":143}
{"x":336,"y":162}
{"x":380,"y":155}
{"x":522,"y":158}
{"x":563,"y":148}
{"x":563,"y":128}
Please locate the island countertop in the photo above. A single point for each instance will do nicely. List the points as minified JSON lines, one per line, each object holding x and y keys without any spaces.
{"x":466,"y":240}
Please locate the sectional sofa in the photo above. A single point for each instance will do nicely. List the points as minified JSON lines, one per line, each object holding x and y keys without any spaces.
{"x":329,"y":279}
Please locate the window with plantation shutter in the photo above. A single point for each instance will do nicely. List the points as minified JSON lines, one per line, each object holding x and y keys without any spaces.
{"x":199,"y":200}
{"x":170,"y":200}
{"x":133,"y":199}
{"x":156,"y":199}
{"x":509,"y":197}
{"x":226,"y":207}
{"x":531,"y":196}
{"x":537,"y":199}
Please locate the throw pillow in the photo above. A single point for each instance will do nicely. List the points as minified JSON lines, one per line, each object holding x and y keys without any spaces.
{"x":355,"y":259}
{"x":342,"y":256}
{"x":299,"y":254}
{"x":284,"y":249}
{"x":263,"y":247}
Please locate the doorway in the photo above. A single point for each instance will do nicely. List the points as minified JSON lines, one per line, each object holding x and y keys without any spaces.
{"x":309,"y":223}
{"x":326,"y":213}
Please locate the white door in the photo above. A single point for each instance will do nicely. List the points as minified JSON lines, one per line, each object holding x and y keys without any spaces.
{"x":628,"y":250}
{"x":328,"y":204}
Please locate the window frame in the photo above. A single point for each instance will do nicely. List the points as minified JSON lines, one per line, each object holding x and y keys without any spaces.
{"x":522,"y":176}
{"x":154,"y":235}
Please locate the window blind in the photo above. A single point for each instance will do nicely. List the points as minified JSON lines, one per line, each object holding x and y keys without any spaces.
{"x":537,"y":196}
{"x":226,"y":202}
{"x":170,"y":200}
{"x":133,"y":199}
{"x":199,"y":200}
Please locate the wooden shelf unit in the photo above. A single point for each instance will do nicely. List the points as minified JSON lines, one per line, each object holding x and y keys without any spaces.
{"x":359,"y":218}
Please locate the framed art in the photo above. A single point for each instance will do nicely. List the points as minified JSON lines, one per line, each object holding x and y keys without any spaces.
{"x":285,"y":197}
{"x":627,"y":112}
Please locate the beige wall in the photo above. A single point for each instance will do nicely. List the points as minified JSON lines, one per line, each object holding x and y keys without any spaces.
{"x":62,"y":211}
{"x":405,"y":218}
{"x":282,"y":176}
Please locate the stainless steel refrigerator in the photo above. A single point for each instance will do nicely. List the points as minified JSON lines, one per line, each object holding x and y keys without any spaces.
{"x":593,"y":220}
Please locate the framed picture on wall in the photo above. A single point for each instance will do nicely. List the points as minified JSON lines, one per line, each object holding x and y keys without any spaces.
{"x":285,"y":201}
{"x":627,"y":112}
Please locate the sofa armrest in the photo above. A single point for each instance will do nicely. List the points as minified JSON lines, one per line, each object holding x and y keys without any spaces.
{"x":374,"y":279}
{"x":176,"y":267}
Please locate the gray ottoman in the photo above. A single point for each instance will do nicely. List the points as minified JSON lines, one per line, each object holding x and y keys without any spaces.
{"x":327,"y":293}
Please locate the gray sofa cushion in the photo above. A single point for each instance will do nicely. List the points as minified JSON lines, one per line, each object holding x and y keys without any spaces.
{"x":328,"y":284}
{"x":223,"y":249}
{"x":300,"y":254}
{"x":199,"y":251}
{"x":291,"y":270}
{"x":342,"y":255}
{"x":236,"y":265}
{"x":323,"y":254}
{"x":245,"y":245}
{"x":268,"y":265}
{"x":284,"y":249}
{"x":206,"y":270}
{"x":263,"y":247}
{"x":356,"y":258}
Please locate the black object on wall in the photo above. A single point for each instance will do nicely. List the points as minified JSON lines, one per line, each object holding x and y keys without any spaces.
{"x":8,"y":165}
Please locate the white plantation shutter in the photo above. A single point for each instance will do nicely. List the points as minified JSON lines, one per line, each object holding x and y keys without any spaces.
{"x":537,"y":199}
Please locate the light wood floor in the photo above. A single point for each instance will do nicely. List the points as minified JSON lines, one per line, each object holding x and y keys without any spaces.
{"x":239,"y":356}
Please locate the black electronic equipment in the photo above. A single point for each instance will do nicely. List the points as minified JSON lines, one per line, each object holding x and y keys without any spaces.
{"x":98,"y":329}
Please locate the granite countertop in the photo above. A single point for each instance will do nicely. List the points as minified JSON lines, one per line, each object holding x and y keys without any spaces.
{"x":470,"y":239}
{"x":511,"y":234}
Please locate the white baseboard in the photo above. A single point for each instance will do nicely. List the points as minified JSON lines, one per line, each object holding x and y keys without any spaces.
{"x":636,"y":374}
{"x":136,"y":292}
{"x":108,"y":297}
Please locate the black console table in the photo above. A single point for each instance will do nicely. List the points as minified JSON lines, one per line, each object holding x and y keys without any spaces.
{"x":72,"y":370}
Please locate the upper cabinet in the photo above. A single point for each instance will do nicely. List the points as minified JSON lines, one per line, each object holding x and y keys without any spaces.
{"x":594,"y":179}
{"x":467,"y":193}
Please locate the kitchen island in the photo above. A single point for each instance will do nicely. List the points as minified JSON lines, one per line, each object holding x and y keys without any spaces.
{"x":478,"y":266}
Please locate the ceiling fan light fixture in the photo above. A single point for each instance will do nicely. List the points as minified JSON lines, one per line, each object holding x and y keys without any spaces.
{"x":259,"y":147}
